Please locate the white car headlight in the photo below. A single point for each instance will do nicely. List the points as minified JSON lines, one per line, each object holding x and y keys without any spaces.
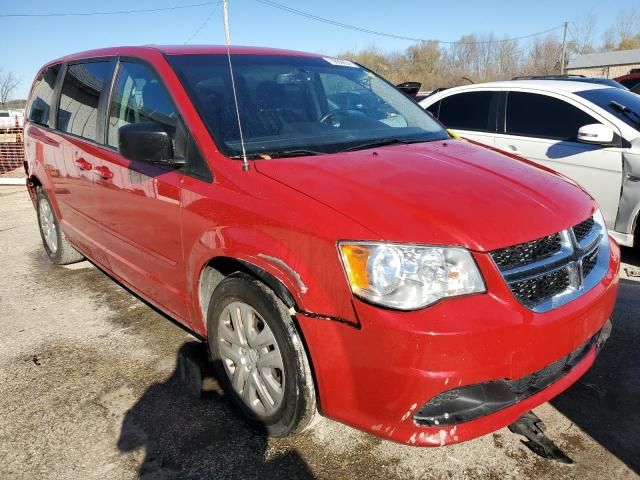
{"x":409,"y":277}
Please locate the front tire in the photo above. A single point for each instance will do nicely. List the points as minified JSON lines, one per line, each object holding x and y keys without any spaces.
{"x":58,"y":249}
{"x":259,"y":357}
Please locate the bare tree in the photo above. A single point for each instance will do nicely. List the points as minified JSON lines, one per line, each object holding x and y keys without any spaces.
{"x":8,"y":83}
{"x":544,"y":56}
{"x":507,"y":59}
{"x":462,"y":59}
{"x":624,"y":31}
{"x":581,"y":33}
{"x":484,"y":57}
{"x":421,"y":63}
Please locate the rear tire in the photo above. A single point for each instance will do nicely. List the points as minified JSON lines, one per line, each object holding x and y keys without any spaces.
{"x":259,"y":358}
{"x":58,"y":249}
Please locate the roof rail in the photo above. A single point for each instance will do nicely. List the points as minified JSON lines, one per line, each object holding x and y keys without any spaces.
{"x":548,"y":77}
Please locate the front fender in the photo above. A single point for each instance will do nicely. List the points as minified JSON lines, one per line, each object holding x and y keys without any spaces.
{"x":309,"y":268}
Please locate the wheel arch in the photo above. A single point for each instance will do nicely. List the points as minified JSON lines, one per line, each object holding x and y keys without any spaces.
{"x":219,"y":268}
{"x":33,"y":183}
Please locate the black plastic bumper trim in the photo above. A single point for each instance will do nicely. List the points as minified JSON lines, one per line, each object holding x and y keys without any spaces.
{"x":474,"y":401}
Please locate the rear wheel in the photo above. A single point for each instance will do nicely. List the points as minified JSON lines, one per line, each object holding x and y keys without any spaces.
{"x":259,"y":357}
{"x":58,"y":249}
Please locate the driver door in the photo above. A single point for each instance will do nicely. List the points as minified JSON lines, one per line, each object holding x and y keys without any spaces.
{"x":139,"y":202}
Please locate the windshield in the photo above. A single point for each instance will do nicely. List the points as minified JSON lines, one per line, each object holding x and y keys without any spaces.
{"x":610,"y":99}
{"x":298,"y":104}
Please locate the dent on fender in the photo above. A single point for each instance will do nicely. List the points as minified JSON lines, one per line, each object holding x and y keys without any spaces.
{"x":290,"y":284}
{"x":303,"y":289}
{"x":283,"y":264}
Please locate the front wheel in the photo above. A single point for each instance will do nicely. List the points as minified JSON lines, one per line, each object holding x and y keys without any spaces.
{"x":58,"y":249}
{"x":259,"y":357}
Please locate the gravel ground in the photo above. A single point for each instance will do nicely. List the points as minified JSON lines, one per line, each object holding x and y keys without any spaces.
{"x":90,"y":388}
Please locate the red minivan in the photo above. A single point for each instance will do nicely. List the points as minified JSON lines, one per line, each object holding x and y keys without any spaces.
{"x":339,"y":251}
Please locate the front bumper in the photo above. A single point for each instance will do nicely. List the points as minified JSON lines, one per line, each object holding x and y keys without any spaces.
{"x":376,"y":378}
{"x":467,"y":403}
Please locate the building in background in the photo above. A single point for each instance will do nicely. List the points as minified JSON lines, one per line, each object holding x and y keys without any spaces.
{"x":606,"y":64}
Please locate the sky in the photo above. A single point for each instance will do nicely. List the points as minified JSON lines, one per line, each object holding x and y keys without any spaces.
{"x":30,"y":42}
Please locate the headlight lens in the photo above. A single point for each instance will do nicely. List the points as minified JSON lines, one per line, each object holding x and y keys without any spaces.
{"x":408,"y":277}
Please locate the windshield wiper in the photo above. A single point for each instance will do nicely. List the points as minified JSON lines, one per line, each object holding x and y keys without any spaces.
{"x":626,"y":110}
{"x":382,"y":143}
{"x":301,"y":152}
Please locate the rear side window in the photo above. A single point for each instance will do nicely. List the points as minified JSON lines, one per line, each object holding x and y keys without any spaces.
{"x":80,"y":97}
{"x":139,"y":96}
{"x":42,"y":96}
{"x":470,"y":111}
{"x":535,"y":115}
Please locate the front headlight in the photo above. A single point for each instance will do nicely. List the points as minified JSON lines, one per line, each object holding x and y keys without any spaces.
{"x":408,"y":277}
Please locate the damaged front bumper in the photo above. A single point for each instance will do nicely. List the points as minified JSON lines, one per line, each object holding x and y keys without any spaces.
{"x":467,"y":403}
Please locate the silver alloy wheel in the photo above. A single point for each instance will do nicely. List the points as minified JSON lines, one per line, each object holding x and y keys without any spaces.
{"x":48,"y":226}
{"x":251,"y":358}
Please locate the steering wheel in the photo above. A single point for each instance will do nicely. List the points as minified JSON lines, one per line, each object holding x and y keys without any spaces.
{"x":339,"y":111}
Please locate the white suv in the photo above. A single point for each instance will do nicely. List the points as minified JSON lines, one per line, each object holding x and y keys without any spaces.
{"x":589,"y":132}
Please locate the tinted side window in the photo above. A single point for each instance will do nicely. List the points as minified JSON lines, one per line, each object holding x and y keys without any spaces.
{"x":42,"y":96}
{"x":139,"y":96}
{"x":80,"y":96}
{"x":469,"y":111}
{"x":535,"y":115}
{"x":434,"y":109}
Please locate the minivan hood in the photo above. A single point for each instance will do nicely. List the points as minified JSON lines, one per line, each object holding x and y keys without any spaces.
{"x":444,"y":193}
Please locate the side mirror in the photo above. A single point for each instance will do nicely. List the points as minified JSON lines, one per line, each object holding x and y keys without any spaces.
{"x":147,"y":142}
{"x":410,"y":88}
{"x":596,"y":134}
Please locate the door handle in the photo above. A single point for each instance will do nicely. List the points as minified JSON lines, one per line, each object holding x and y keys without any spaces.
{"x":104,"y":172}
{"x":83,"y":164}
{"x":515,"y":150}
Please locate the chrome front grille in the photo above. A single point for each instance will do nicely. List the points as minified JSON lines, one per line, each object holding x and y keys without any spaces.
{"x":551,"y":271}
{"x":532,"y":291}
{"x":589,"y":262}
{"x":582,"y":229}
